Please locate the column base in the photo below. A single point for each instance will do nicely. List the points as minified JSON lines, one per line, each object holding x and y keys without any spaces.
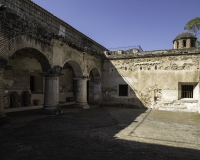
{"x":51,"y":110}
{"x":82,"y":105}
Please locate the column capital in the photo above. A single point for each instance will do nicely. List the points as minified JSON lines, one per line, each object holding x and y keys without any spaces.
{"x":53,"y":72}
{"x":82,"y":78}
{"x":46,"y":74}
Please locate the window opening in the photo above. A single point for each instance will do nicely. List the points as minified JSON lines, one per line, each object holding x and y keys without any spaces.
{"x":187,"y":91}
{"x":123,"y":90}
{"x":32,"y":83}
{"x":184,"y":43}
{"x":193,"y":44}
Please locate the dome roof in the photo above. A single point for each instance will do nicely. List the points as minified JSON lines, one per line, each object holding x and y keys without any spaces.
{"x":185,"y":35}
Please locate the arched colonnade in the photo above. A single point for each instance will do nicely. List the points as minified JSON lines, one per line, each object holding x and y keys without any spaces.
{"x":27,"y":65}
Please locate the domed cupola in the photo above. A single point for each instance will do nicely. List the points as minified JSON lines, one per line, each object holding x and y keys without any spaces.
{"x":184,"y":40}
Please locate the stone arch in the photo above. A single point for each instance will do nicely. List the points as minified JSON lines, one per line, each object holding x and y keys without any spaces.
{"x":34,"y":53}
{"x":95,"y":73}
{"x":78,"y":71}
{"x":43,"y":50}
{"x":23,"y":75}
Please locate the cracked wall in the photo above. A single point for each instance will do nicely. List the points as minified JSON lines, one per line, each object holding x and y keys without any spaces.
{"x":153,"y":81}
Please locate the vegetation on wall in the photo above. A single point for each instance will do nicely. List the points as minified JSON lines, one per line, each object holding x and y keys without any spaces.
{"x":194,"y":26}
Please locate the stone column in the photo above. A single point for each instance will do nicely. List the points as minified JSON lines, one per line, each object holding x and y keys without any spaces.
{"x":180,"y":44}
{"x":175,"y":45}
{"x":81,"y":93}
{"x":188,"y":43}
{"x":51,"y":93}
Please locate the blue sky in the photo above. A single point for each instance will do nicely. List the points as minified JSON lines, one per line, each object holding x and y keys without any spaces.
{"x":152,"y":24}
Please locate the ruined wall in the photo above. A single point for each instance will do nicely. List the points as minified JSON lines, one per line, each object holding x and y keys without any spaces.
{"x":26,"y":26}
{"x":44,"y":25}
{"x":152,"y":81}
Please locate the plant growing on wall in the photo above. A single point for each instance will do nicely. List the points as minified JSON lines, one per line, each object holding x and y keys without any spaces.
{"x":194,"y":26}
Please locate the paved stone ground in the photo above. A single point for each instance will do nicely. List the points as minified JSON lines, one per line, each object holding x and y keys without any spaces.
{"x":101,"y":133}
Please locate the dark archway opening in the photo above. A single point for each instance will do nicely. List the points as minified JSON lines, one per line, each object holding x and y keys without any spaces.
{"x":94,"y":87}
{"x":22,"y":81}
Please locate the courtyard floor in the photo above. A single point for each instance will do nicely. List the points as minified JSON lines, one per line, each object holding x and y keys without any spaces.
{"x":101,"y":133}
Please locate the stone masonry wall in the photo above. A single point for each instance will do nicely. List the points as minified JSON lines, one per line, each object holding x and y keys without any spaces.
{"x":153,"y":82}
{"x":180,"y":44}
{"x":48,"y":24}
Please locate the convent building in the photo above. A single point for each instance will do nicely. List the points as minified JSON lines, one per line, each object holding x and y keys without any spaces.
{"x":45,"y":61}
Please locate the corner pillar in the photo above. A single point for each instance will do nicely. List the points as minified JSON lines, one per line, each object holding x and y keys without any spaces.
{"x":175,"y":45}
{"x":81,"y":93}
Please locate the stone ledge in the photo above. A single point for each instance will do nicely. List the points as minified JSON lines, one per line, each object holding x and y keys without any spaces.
{"x":155,"y":53}
{"x":187,"y":100}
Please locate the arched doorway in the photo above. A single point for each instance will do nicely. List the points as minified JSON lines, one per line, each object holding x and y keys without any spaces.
{"x":94,"y":87}
{"x":22,"y":77}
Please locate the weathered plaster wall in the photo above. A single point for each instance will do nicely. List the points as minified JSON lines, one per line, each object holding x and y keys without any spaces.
{"x":62,"y":53}
{"x":66,"y":81}
{"x":152,"y":81}
{"x":18,"y":77}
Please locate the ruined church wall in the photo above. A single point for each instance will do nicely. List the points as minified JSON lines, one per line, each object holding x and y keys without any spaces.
{"x":153,"y":82}
{"x":46,"y":24}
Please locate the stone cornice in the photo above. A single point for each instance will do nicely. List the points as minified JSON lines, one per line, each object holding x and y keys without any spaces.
{"x":156,"y":53}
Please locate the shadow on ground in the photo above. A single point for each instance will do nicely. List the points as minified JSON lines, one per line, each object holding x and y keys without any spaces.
{"x":81,"y":134}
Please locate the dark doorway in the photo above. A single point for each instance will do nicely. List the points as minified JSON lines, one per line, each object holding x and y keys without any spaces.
{"x":123,"y":90}
{"x":32,"y":83}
